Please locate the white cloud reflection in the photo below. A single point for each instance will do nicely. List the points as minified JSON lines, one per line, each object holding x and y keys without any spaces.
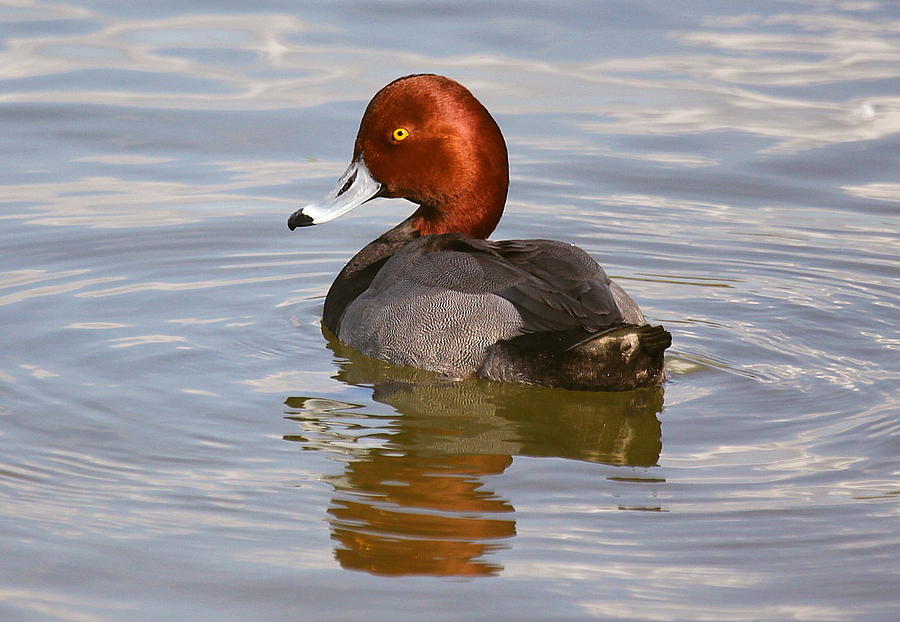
{"x":287,"y":381}
{"x":113,"y":202}
{"x":37,"y":10}
{"x":141,"y":340}
{"x":875,"y":191}
{"x":718,"y":83}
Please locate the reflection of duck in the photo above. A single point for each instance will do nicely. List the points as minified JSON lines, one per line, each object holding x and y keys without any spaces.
{"x":408,"y":514}
{"x":431,"y":293}
{"x":477,"y":417}
{"x":417,"y":503}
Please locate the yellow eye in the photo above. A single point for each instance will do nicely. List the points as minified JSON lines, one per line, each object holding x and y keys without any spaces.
{"x":399,"y":134}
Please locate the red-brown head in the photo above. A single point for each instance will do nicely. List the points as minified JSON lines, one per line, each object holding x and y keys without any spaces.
{"x":427,"y":139}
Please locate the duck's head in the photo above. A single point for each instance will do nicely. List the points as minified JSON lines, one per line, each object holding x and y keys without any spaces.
{"x":427,"y":139}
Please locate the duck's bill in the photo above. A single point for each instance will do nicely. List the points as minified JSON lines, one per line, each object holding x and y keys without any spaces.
{"x":355,"y":187}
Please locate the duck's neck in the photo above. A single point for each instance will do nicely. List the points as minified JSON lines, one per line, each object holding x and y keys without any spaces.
{"x":471,"y":214}
{"x":429,"y":220}
{"x":474,"y":204}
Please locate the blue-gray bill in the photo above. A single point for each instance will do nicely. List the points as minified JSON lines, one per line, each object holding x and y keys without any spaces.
{"x":355,"y":187}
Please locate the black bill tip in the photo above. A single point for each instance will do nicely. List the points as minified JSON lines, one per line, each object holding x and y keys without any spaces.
{"x":299,"y":219}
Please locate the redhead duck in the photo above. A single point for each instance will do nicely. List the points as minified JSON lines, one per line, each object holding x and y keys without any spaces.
{"x":433,"y":293}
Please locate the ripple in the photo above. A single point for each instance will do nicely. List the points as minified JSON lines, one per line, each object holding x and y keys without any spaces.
{"x":793,"y":123}
{"x":875,"y":191}
{"x":53,"y":290}
{"x":141,"y":340}
{"x":97,"y":325}
{"x":176,"y":286}
{"x":734,"y":171}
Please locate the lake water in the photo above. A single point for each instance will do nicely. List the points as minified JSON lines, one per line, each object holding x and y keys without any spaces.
{"x":179,"y":441}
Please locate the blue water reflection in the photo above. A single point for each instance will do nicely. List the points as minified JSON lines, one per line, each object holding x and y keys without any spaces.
{"x":734,"y":165}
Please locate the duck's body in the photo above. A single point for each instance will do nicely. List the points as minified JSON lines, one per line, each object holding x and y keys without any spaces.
{"x":432,"y":293}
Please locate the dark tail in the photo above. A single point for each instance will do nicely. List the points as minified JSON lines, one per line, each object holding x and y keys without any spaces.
{"x":624,"y":357}
{"x":653,"y":339}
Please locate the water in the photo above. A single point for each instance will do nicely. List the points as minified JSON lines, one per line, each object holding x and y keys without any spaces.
{"x":178,"y":440}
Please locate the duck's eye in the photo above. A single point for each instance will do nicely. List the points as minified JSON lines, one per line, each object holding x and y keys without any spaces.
{"x":401,"y":133}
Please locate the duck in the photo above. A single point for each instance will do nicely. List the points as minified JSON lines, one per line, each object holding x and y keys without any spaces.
{"x":435,"y":294}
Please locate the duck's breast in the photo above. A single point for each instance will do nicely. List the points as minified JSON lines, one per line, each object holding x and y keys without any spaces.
{"x":432,"y":310}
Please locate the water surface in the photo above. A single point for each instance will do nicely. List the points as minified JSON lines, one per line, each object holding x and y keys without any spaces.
{"x":179,"y":440}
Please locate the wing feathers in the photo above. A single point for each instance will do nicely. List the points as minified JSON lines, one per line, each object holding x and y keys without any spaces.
{"x":555,"y":286}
